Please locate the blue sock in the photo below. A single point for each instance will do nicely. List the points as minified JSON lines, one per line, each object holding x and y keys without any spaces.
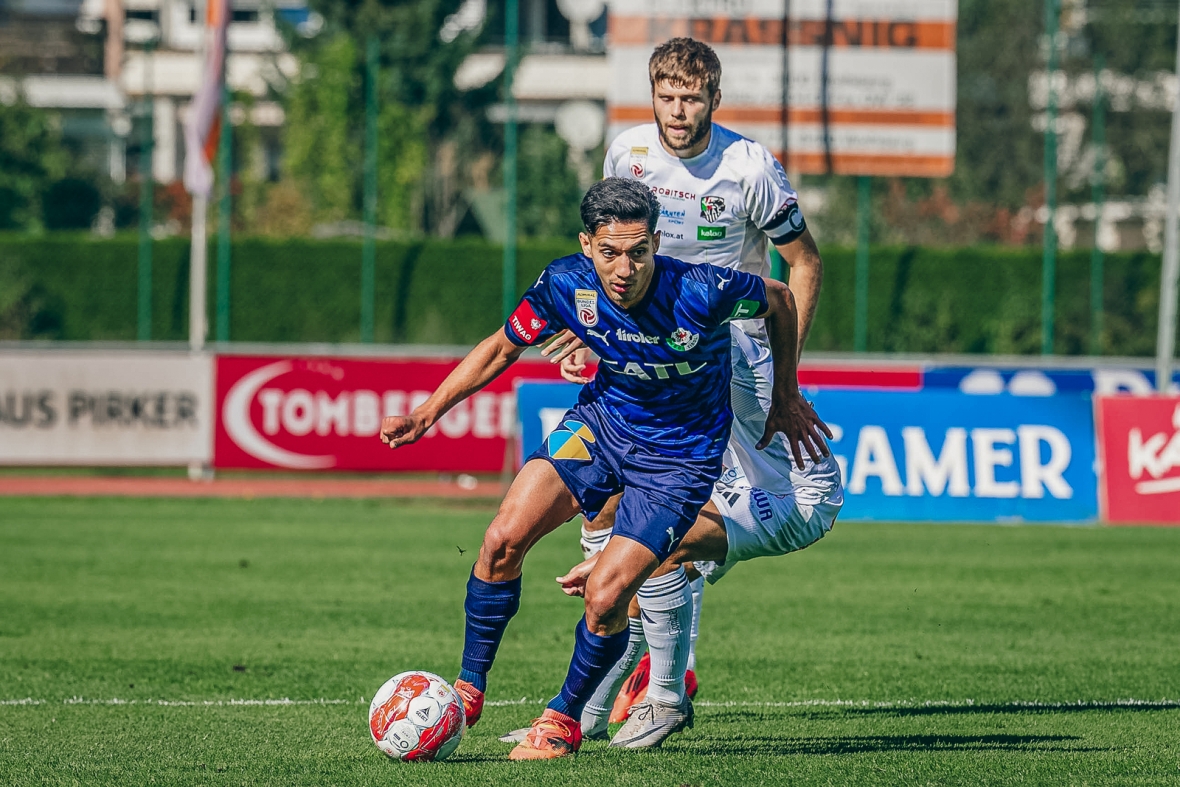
{"x":489,"y":607}
{"x":593,"y":658}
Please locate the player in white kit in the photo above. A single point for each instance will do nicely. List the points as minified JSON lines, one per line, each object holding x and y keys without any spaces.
{"x":724,"y":199}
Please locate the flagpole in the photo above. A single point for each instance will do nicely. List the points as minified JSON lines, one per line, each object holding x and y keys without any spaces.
{"x":196,"y":277}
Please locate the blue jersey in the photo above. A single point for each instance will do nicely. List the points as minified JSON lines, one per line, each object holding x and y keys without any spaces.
{"x":664,"y":378}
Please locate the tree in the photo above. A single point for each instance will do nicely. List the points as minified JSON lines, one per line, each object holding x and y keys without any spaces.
{"x":31,"y":159}
{"x":420,"y":110}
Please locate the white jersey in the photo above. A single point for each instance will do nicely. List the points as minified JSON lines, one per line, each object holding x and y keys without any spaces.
{"x":772,"y":468}
{"x":722,"y":207}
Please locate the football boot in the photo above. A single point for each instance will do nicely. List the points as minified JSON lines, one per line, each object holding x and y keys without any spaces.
{"x":551,"y":736}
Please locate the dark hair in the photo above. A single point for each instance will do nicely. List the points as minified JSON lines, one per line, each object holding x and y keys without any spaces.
{"x":685,"y":62}
{"x":619,"y":199}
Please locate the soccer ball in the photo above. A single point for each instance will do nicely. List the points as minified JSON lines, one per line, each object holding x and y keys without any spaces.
{"x":417,"y":716}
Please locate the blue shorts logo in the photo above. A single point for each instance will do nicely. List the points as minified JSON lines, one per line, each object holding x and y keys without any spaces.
{"x":569,"y":442}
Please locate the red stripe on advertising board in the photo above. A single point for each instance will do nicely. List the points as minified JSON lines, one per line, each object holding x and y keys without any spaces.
{"x":861,"y":377}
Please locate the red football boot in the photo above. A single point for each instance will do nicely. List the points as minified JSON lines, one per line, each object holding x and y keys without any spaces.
{"x":633,"y":691}
{"x":472,"y":701}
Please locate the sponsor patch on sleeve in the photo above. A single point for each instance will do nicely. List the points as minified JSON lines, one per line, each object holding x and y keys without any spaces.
{"x":525,"y":323}
{"x":744,"y":310}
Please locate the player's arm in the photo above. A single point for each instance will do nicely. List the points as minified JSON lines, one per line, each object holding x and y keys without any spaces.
{"x":805,"y":278}
{"x":482,"y":365}
{"x":789,"y":411}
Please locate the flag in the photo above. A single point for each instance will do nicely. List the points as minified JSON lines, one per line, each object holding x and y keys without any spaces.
{"x":202,"y":128}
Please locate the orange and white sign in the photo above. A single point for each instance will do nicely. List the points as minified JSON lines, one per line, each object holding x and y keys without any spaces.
{"x":890,"y":77}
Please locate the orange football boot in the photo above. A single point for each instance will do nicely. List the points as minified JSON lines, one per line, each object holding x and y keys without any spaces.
{"x":472,"y":701}
{"x":551,"y":736}
{"x":635,"y":690}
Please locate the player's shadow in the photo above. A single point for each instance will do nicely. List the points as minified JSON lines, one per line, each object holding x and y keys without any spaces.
{"x":863,"y":744}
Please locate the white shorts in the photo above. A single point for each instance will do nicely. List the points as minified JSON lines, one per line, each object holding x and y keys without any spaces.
{"x":761,"y":524}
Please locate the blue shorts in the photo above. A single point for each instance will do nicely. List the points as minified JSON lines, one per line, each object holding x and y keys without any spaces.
{"x":661,"y":495}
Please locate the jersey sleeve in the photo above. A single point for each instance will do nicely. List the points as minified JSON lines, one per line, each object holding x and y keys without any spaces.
{"x":772,"y":204}
{"x":535,"y":319}
{"x":611,"y":163}
{"x":736,"y":295}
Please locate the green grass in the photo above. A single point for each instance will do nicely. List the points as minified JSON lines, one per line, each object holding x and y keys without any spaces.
{"x":208,"y":600}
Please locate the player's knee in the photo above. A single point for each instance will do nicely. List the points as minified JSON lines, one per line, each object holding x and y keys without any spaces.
{"x":606,"y":609}
{"x":502,"y":551}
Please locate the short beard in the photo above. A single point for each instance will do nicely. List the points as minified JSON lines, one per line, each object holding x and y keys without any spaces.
{"x":697,"y":135}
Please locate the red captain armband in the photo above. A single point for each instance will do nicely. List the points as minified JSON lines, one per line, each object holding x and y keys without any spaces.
{"x":525,"y":323}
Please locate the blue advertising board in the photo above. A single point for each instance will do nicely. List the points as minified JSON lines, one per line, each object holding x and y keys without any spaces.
{"x":540,"y":406}
{"x":932,"y":456}
{"x":945,"y":456}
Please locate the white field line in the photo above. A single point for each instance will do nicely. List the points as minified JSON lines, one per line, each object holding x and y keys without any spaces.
{"x":900,"y":704}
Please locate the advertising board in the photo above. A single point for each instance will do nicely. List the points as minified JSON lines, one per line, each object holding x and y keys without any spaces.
{"x":1139,"y":446}
{"x":316,"y":413}
{"x":871,"y":86}
{"x":105,"y":408}
{"x":935,"y":456}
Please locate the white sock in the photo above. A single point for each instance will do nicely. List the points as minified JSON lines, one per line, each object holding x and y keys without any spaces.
{"x":597,"y":710}
{"x":666,"y":604}
{"x":594,"y":541}
{"x":698,"y":589}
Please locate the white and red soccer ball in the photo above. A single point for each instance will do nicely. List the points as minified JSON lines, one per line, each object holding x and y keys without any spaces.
{"x":418,"y":717}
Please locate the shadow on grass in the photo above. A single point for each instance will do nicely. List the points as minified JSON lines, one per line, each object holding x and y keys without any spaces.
{"x":861,"y":744}
{"x":1007,"y":708}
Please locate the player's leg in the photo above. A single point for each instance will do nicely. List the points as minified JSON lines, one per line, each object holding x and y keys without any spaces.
{"x":667,"y":606}
{"x":600,"y":638}
{"x":537,"y":503}
{"x":596,"y":531}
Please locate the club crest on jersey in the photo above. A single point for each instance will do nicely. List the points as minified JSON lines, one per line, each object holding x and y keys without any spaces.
{"x":683,"y":340}
{"x":638,"y":163}
{"x":712,"y":208}
{"x":586,"y":305}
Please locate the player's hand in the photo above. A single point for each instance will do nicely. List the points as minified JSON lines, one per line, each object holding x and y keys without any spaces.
{"x":574,"y":583}
{"x":399,"y":430}
{"x":560,"y":346}
{"x":794,"y":417}
{"x":574,"y":364}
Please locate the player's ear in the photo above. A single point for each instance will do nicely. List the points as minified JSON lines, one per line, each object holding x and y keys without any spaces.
{"x":716,"y":98}
{"x":655,"y":241}
{"x":584,"y":239}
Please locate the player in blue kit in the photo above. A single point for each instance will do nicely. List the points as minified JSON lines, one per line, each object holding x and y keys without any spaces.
{"x":652,"y":425}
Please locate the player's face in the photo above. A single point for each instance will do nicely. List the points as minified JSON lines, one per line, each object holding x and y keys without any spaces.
{"x":684,"y":115}
{"x":623,"y":255}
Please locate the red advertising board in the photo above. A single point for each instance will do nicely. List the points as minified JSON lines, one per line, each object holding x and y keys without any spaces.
{"x":1139,"y":451}
{"x":312,"y":413}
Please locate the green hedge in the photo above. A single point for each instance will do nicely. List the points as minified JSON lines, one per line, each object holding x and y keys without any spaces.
{"x":973,"y":300}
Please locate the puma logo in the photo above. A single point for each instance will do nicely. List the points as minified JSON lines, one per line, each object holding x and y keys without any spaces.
{"x":604,"y":336}
{"x":722,"y":282}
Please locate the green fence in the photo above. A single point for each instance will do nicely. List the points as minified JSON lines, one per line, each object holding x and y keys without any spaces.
{"x":973,"y":300}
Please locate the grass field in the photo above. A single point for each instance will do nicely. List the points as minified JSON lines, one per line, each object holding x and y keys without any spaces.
{"x":140,"y":641}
